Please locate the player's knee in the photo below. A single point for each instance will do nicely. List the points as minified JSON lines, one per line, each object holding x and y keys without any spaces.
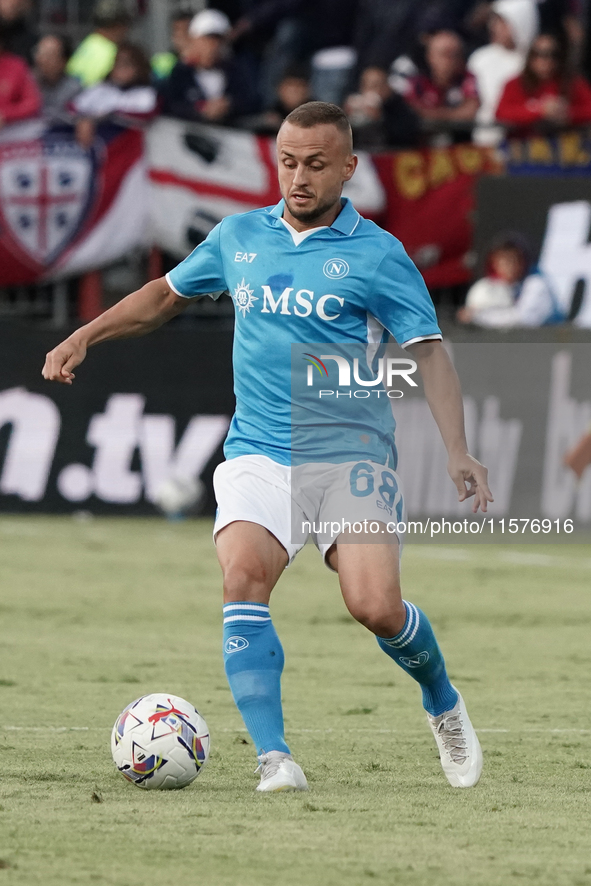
{"x":247,"y":580}
{"x":380,"y":617}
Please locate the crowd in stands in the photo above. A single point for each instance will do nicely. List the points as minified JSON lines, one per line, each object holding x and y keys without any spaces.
{"x":407,"y":72}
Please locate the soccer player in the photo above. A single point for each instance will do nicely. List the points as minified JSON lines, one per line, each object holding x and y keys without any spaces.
{"x":310,"y":269}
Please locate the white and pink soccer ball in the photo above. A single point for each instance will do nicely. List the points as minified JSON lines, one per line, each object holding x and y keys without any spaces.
{"x":160,"y":742}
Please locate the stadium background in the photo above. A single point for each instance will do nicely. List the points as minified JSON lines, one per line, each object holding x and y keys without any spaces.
{"x":81,"y":227}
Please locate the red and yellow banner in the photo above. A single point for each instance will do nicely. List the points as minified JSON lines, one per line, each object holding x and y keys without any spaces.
{"x":430,"y":206}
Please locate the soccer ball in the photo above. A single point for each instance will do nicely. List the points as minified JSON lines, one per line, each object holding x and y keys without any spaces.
{"x":177,"y":495}
{"x":160,"y":742}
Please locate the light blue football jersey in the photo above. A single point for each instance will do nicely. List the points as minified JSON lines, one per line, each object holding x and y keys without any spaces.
{"x":350,"y":283}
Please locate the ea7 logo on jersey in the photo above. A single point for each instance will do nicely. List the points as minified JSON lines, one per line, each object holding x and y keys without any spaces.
{"x":336,"y":268}
{"x":245,"y":256}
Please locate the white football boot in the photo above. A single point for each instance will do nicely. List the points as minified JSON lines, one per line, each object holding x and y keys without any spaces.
{"x":459,"y":749}
{"x":280,"y":772}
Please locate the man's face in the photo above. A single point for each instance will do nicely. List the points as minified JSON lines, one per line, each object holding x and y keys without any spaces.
{"x":508,"y":264}
{"x":500,"y":31}
{"x":375,"y":80}
{"x":117,"y":33}
{"x":125,"y":71}
{"x":445,"y":57}
{"x":293,"y":92}
{"x":313,"y":165}
{"x":49,"y":59}
{"x":544,"y":57}
{"x":204,"y":52}
{"x":13,"y":9}
{"x":179,"y":34}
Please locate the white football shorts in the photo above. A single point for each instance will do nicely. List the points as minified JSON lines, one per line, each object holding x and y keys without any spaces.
{"x":311,"y":501}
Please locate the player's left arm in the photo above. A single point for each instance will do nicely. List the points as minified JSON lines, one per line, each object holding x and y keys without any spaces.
{"x":444,"y":396}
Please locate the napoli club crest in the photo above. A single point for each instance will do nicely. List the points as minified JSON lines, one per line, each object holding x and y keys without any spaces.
{"x":46,"y":192}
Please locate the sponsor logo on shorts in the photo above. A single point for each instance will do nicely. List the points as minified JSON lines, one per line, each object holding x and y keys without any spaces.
{"x":235,"y":644}
{"x":416,"y":661}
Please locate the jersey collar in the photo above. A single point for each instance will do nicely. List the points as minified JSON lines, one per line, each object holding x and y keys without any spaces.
{"x":345,"y":222}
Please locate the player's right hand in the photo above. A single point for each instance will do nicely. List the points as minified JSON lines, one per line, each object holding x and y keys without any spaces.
{"x":465,"y":469}
{"x":60,"y":362}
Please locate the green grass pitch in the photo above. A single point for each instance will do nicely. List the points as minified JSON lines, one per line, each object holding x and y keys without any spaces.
{"x":96,"y":614}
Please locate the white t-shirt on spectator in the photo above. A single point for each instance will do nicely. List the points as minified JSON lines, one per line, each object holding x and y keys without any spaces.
{"x":490,"y":293}
{"x":534,"y":307}
{"x":494,"y":65}
{"x":106,"y":98}
{"x":212,"y":82}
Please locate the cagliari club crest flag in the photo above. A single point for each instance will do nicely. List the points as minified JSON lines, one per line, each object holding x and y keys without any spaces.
{"x":65,"y":210}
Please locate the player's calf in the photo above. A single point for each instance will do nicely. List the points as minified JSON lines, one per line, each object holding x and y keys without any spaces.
{"x":417,"y":652}
{"x":253,"y":660}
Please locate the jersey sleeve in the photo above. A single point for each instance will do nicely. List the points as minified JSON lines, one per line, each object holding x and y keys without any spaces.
{"x":202,"y":272}
{"x":400,"y":301}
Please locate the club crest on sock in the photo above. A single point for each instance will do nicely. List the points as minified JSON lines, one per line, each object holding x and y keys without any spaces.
{"x":235,"y":644}
{"x":416,"y":661}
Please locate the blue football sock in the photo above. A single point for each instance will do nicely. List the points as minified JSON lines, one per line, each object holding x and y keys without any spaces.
{"x":417,"y":652}
{"x":253,"y":658}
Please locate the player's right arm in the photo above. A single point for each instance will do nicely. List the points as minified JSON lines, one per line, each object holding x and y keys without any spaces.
{"x":135,"y":315}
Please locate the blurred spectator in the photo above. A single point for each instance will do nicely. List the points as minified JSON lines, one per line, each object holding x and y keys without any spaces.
{"x":379,"y":117}
{"x":459,"y":16}
{"x":19,"y":96}
{"x":292,"y":91}
{"x":386,"y":30}
{"x":95,"y":56}
{"x":545,"y":96}
{"x":447,"y":93}
{"x":57,"y":88}
{"x":330,"y":31}
{"x":506,"y":297}
{"x":164,"y":62}
{"x":513,"y":24}
{"x":126,"y":96}
{"x":474,"y":25}
{"x":320,"y":32}
{"x":19,"y":35}
{"x":506,"y":266}
{"x":209,"y":84}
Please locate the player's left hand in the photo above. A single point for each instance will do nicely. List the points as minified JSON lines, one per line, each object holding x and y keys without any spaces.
{"x":465,"y":469}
